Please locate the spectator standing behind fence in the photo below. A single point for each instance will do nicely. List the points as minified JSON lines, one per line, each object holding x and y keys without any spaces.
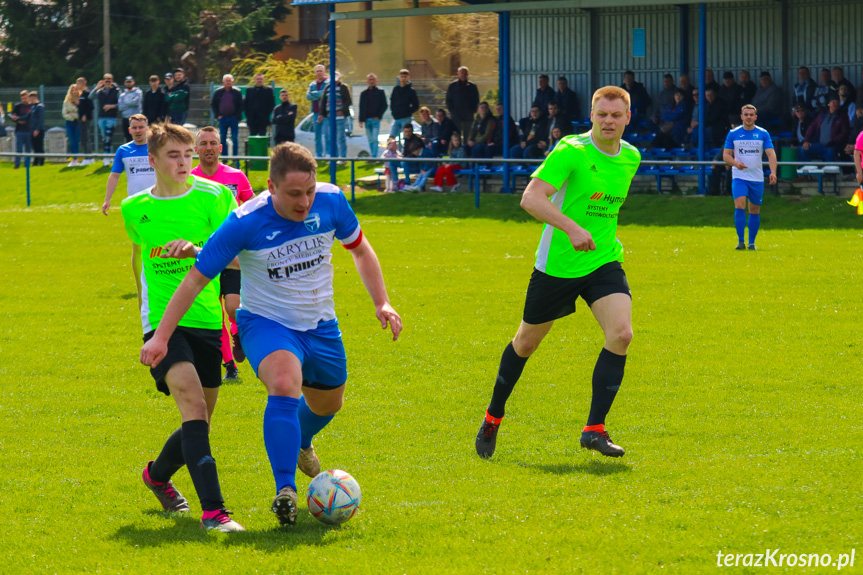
{"x":260,"y":101}
{"x":23,"y":134}
{"x":85,"y":118}
{"x":106,"y":96}
{"x":342,"y":113}
{"x":666,"y":97}
{"x":532,"y":129}
{"x":462,"y":101}
{"x":846,"y":103}
{"x":544,"y":94}
{"x":804,"y":89}
{"x":769,"y":101}
{"x":445,"y":174}
{"x":227,"y":106}
{"x":316,"y":90}
{"x":37,"y":126}
{"x":638,"y":96}
{"x":391,"y":169}
{"x":403,"y":103}
{"x":178,"y":95}
{"x":129,"y":103}
{"x":567,"y":100}
{"x":747,"y":88}
{"x":828,"y":134}
{"x":284,"y":117}
{"x":70,"y":115}
{"x":154,"y":106}
{"x":373,"y":104}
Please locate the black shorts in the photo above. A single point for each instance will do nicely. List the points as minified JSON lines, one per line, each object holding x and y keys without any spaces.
{"x":550,"y":298}
{"x":200,"y":347}
{"x":229,"y":282}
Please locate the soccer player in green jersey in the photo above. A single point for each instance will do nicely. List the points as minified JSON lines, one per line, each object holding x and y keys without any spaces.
{"x":169,"y":222}
{"x":577,"y":192}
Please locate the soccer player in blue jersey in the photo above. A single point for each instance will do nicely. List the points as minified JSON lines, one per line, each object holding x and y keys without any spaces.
{"x":744,"y":147}
{"x":287,"y":321}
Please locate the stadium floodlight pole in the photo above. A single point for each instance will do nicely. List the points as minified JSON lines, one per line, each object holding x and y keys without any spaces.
{"x":106,"y":36}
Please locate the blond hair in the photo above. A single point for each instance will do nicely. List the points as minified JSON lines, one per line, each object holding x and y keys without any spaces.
{"x":611,"y":93}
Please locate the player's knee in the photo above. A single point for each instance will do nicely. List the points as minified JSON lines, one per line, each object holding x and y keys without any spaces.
{"x":525,"y":346}
{"x":283,"y":386}
{"x":621,"y":337}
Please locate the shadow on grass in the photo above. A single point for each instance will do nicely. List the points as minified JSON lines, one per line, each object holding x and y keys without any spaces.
{"x":129,"y":296}
{"x":593,"y":467}
{"x":779,"y":212}
{"x":187,"y":529}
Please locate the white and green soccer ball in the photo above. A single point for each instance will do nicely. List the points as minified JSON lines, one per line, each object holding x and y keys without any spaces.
{"x":334,"y":496}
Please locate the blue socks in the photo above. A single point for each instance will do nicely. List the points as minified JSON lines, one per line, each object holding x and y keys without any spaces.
{"x":740,"y":223}
{"x":754,"y":222}
{"x":310,"y":423}
{"x":282,"y":438}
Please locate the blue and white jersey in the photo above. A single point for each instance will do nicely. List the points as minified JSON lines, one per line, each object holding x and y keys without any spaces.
{"x":287,"y":270}
{"x":133,"y":159}
{"x":748,"y":146}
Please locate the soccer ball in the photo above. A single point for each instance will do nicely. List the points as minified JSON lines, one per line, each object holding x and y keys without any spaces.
{"x":333,"y":497}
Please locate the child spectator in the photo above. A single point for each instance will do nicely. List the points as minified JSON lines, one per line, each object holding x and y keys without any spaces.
{"x":391,"y":168}
{"x":445,"y":174}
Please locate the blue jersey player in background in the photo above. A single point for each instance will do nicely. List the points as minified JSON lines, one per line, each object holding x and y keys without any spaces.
{"x":744,"y":147}
{"x":287,"y":322}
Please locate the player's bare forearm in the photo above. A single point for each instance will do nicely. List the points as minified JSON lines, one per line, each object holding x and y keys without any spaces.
{"x":858,"y":165}
{"x":370,"y":272}
{"x":535,"y":201}
{"x":771,"y":160}
{"x":110,"y":188}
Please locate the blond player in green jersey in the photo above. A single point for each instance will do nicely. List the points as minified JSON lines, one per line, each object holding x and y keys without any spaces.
{"x":577,"y":192}
{"x":169,"y":222}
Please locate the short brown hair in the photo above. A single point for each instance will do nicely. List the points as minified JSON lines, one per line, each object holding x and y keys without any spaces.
{"x":610,"y":93}
{"x":425,"y":109}
{"x":291,"y":157}
{"x":404,"y":71}
{"x":749,"y":107}
{"x":162,"y":134}
{"x":139,"y":118}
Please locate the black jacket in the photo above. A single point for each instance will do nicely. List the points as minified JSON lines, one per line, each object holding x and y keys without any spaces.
{"x":259,"y":105}
{"x":639,"y":99}
{"x":497,"y":132}
{"x":567,"y":102}
{"x":539,"y":128}
{"x":85,"y":106}
{"x":462,"y":100}
{"x":284,"y":116}
{"x":107,"y":97}
{"x":442,"y":131}
{"x":154,"y":106}
{"x":373,"y":103}
{"x":543,"y":98}
{"x":404,"y":101}
{"x":238,"y":102}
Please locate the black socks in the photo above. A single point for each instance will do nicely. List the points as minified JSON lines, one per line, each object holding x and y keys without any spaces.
{"x":202,"y":466}
{"x":511,"y":366}
{"x":170,"y":460}
{"x":607,"y":377}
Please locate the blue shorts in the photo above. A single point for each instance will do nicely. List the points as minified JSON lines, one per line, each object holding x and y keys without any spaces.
{"x":754,"y":191}
{"x":319,"y":350}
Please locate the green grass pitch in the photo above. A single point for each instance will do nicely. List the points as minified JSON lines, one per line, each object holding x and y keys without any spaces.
{"x":740,"y":410}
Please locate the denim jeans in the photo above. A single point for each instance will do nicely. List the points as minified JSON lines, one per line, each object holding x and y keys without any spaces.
{"x":817,"y":150}
{"x":341,"y":136}
{"x":230,"y":123}
{"x":321,"y":135}
{"x":396,"y":129}
{"x":74,"y":137}
{"x":373,"y":130}
{"x":106,"y":126}
{"x":23,"y":145}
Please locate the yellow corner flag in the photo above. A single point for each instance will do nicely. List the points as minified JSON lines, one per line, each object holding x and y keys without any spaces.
{"x":857,"y":201}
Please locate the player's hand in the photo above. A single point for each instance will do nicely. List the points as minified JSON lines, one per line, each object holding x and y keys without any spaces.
{"x":772,"y":179}
{"x":386,"y":314}
{"x":153,"y":352}
{"x":860,"y":177}
{"x":178,"y":249}
{"x":106,"y":206}
{"x":741,"y":166}
{"x":582,"y":241}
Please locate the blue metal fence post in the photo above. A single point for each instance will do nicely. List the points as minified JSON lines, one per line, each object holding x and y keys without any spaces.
{"x":702,"y":92}
{"x":353,"y":183}
{"x":27,"y":169}
{"x":503,"y":88}
{"x":476,"y":183}
{"x":331,"y":105}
